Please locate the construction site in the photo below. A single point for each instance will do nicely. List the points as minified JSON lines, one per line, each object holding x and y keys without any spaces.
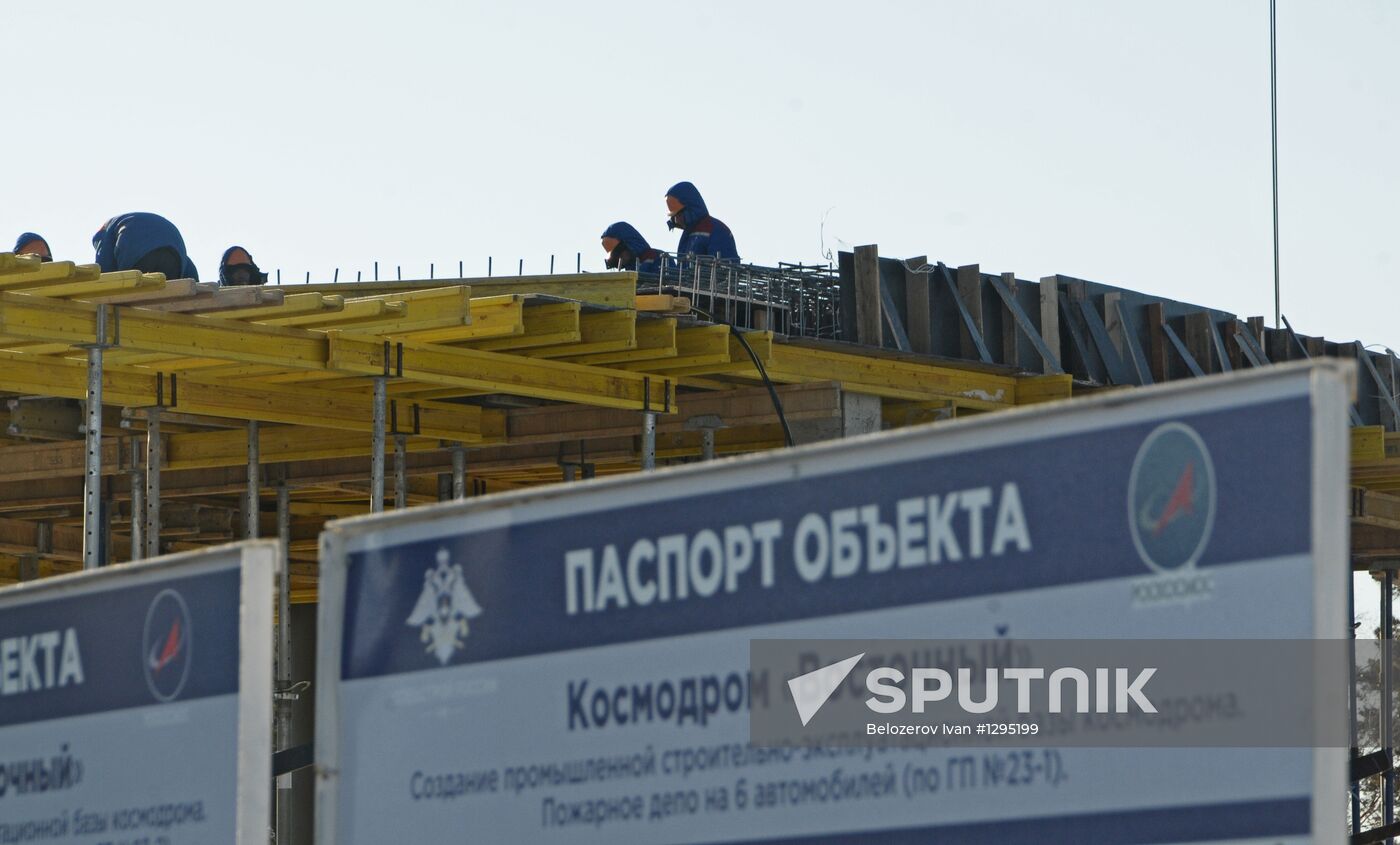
{"x":148,"y":416}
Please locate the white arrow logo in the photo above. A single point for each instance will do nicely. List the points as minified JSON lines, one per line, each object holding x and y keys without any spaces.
{"x":810,"y":691}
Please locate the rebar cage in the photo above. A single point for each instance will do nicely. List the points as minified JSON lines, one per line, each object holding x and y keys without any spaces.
{"x":793,"y":300}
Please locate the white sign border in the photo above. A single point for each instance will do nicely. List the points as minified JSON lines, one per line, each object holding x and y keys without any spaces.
{"x":258,"y":562}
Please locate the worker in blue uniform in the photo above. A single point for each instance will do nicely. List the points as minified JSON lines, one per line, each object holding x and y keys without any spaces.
{"x":237,"y":269}
{"x":701,"y":234}
{"x":32,"y":244}
{"x":628,"y":250}
{"x":143,"y":241}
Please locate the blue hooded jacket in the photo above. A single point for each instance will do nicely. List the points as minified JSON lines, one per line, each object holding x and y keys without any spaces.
{"x":28,"y":238}
{"x":126,"y":238}
{"x":648,"y":259}
{"x":701,"y":234}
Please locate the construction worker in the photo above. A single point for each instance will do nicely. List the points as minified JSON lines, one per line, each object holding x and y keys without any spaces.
{"x":628,"y":250}
{"x":143,"y":241}
{"x":32,"y":244}
{"x":701,"y":234}
{"x":236,"y":269}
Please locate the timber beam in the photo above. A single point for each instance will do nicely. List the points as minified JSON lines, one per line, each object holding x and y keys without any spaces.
{"x":493,"y":372}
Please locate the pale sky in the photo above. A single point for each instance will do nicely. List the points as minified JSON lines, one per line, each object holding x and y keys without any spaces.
{"x":1123,"y":142}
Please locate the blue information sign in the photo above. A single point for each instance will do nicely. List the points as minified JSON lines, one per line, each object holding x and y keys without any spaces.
{"x":571,"y":664}
{"x":135,"y":702}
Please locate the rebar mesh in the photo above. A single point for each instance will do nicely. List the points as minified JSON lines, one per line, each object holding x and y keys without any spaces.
{"x":793,"y":300}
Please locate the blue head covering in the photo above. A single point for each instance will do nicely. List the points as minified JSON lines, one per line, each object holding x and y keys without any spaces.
{"x":126,"y":238}
{"x":224,"y":258}
{"x":629,"y":236}
{"x":694,"y":205}
{"x":28,"y":238}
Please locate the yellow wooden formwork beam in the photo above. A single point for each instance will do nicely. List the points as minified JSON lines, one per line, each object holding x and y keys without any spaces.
{"x":714,"y":350}
{"x":1367,"y":443}
{"x":599,"y":332}
{"x":901,"y":414}
{"x":549,"y":324}
{"x":107,"y":285}
{"x":353,"y":312}
{"x":277,"y":444}
{"x":196,"y":336}
{"x":56,"y":271}
{"x":618,"y":289}
{"x":891,"y":377}
{"x":174,"y":289}
{"x":1034,"y":390}
{"x":293,"y":305}
{"x":12,"y":264}
{"x":655,"y":339}
{"x":493,"y":372}
{"x":333,"y":409}
{"x":491,"y":317}
{"x":61,"y":377}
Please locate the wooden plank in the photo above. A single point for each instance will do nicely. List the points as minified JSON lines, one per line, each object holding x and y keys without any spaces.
{"x":616,"y":289}
{"x":492,"y":372}
{"x":225,"y":299}
{"x":1199,"y":342}
{"x":1010,"y":337}
{"x":916,"y":306}
{"x":869,"y":325}
{"x":1050,"y":318}
{"x":1033,"y":390}
{"x":176,"y":289}
{"x":1072,"y":319}
{"x":1279,"y":345}
{"x":969,"y":293}
{"x":735,"y":408}
{"x":1157,"y":360}
{"x":1367,"y":444}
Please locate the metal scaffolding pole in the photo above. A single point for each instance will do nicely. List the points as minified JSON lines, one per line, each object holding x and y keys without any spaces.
{"x":400,"y":471}
{"x":92,"y":460}
{"x":154,"y":459}
{"x":1352,"y":697}
{"x":459,"y":471}
{"x":284,"y":658}
{"x":648,"y":441}
{"x":707,"y":444}
{"x":376,"y":447}
{"x":570,"y":471}
{"x":1388,"y":690}
{"x":252,"y":504}
{"x":138,"y":503}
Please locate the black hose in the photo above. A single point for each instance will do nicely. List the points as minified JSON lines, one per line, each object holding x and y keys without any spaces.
{"x":768,"y":383}
{"x":763,"y":373}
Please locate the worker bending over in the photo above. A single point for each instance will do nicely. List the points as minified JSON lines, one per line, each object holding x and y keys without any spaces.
{"x":145,"y":242}
{"x":701,"y":234}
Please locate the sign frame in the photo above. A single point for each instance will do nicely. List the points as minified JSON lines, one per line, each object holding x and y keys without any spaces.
{"x":1328,"y":383}
{"x":258,"y":562}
